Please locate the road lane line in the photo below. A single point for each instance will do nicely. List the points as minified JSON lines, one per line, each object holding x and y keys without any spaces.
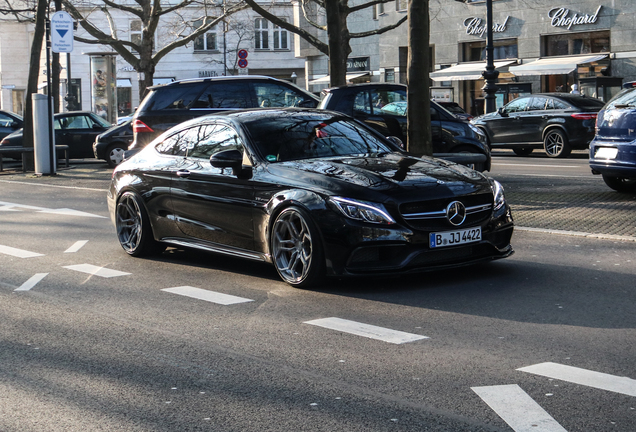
{"x":53,"y":186}
{"x":209,"y":296}
{"x":96,"y":271}
{"x":598,"y":380}
{"x":517,"y":409}
{"x":539,"y":166}
{"x":33,"y":281}
{"x":20,"y":253}
{"x":366,"y":330}
{"x":76,"y":246}
{"x":61,"y":211}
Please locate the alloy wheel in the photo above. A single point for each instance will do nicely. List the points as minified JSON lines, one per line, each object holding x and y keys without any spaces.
{"x":292,"y":246}
{"x":129,"y":223}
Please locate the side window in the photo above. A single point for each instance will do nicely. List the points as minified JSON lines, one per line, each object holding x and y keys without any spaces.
{"x":538,"y":103}
{"x":380,"y":99}
{"x":224,"y":95}
{"x":361,"y":103}
{"x":517,"y":105}
{"x":172,"y":97}
{"x":560,"y":105}
{"x":550,"y":104}
{"x":179,"y":143}
{"x":275,"y":95}
{"x":214,"y":138}
{"x":5,"y":120}
{"x":78,"y":122}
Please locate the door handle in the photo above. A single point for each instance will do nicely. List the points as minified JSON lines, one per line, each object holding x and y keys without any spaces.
{"x":517,"y":117}
{"x":183,"y":173}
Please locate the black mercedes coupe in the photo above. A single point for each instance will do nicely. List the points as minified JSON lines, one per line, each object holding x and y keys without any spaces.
{"x":314,"y":192}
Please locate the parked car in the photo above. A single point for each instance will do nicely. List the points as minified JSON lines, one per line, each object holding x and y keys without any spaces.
{"x":9,"y":123}
{"x":613,"y":150}
{"x":383,"y":107}
{"x":556,"y":122}
{"x":111,"y":145}
{"x":76,"y":129}
{"x":313,"y":192}
{"x":456,"y":109}
{"x":168,"y":105}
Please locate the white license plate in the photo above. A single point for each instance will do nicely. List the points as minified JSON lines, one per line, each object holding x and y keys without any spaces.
{"x":606,"y":153}
{"x":453,"y":238}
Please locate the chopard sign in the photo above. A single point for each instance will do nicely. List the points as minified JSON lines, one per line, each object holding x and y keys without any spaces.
{"x":561,"y":18}
{"x":477,"y":26}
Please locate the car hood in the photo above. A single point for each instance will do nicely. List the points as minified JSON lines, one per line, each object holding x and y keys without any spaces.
{"x":483,"y":117}
{"x":401,"y":176}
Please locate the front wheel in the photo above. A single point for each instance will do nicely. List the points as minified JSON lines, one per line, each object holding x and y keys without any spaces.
{"x":115,"y":155}
{"x":133,"y":227}
{"x":620,"y":184}
{"x":297,"y":249}
{"x":556,"y":144}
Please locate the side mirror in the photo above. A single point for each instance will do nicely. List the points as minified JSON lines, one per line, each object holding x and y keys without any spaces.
{"x":308,"y":103}
{"x":396,"y":141}
{"x":15,"y":124}
{"x":502,"y":112}
{"x":227,"y":159}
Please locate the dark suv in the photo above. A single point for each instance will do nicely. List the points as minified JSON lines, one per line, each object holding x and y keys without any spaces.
{"x":613,"y":150}
{"x":168,"y":105}
{"x":556,"y":122}
{"x":382,"y":106}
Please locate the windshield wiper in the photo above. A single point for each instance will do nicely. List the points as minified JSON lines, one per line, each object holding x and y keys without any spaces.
{"x":624,"y":106}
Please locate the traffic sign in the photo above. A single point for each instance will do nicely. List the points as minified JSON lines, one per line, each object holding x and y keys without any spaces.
{"x":61,"y":32}
{"x":242,"y":63}
{"x":242,"y":54}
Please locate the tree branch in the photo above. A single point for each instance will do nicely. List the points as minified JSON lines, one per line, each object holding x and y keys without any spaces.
{"x":381,"y":30}
{"x":368,"y":4}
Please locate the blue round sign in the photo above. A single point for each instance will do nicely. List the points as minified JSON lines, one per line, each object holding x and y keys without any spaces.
{"x":242,"y":54}
{"x":242,"y":63}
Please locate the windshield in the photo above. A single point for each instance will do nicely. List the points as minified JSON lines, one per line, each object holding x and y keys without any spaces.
{"x":291,"y":138}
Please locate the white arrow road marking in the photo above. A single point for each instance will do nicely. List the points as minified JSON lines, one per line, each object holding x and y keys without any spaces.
{"x":33,"y":281}
{"x":62,"y":211}
{"x":366,"y":330}
{"x":210,"y":296}
{"x":76,"y":246}
{"x":96,"y":271}
{"x":20,"y":253}
{"x":517,"y":409}
{"x":603,"y":381}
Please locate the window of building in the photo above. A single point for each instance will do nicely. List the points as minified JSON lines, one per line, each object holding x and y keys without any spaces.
{"x":280,"y":38}
{"x":401,"y":5}
{"x":502,"y":49}
{"x":575,"y":43}
{"x":207,"y":41}
{"x":380,"y":8}
{"x":17,"y":99}
{"x":389,"y":75}
{"x":135,"y":32}
{"x":261,"y":33}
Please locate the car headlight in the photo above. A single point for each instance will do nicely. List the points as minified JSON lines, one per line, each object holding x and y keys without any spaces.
{"x":362,"y":210}
{"x":498,"y":194}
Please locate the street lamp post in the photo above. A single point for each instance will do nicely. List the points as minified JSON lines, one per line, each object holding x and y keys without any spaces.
{"x":490,"y":74}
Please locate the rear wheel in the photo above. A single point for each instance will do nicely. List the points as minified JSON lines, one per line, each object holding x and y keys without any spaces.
{"x":115,"y":154}
{"x":133,"y":227}
{"x":522,"y":151}
{"x":556,"y":144}
{"x":620,"y":184}
{"x":296,"y":248}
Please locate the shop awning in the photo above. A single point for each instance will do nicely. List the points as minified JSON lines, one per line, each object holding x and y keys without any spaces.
{"x":350,"y":76}
{"x":554,"y":65}
{"x":123,"y":82}
{"x":470,"y":71}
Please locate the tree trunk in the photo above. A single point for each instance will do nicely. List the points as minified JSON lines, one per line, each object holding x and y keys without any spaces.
{"x":419,"y":108}
{"x":338,"y":36}
{"x":32,"y":83}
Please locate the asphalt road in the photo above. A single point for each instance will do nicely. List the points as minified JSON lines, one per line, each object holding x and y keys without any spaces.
{"x":94,"y":340}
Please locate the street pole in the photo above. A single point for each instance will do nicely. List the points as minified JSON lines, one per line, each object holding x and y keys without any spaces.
{"x":490,"y":74}
{"x":48,"y":96}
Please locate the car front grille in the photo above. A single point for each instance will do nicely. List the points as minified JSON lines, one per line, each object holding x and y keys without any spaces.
{"x":431,"y":215}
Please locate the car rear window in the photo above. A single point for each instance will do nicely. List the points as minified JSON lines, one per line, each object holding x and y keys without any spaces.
{"x":625,"y":98}
{"x":171,"y":97}
{"x":586,"y":103}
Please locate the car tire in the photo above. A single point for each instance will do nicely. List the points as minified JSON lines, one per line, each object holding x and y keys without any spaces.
{"x":522,"y":151}
{"x":620,"y":184}
{"x":115,"y":154}
{"x":296,"y":248}
{"x":556,"y":144}
{"x":133,"y":227}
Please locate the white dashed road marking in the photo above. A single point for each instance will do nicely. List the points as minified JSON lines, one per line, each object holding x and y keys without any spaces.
{"x":518,"y":409}
{"x":96,"y":271}
{"x":33,"y":281}
{"x":210,"y":296}
{"x":20,"y":253}
{"x":603,"y":381}
{"x":62,"y":211}
{"x":366,"y":330}
{"x":76,"y":246}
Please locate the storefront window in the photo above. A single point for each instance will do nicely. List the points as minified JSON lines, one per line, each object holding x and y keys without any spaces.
{"x":502,"y":49}
{"x":575,"y":43}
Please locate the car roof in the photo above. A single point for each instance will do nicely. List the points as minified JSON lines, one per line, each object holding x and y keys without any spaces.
{"x":217,"y":78}
{"x":368,"y":86}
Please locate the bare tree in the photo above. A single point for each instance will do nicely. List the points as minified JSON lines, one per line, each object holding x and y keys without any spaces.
{"x":143,"y":55}
{"x":338,"y":45}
